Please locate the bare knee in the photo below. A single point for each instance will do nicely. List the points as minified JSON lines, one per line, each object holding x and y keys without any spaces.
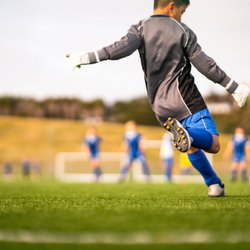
{"x":216,"y":145}
{"x":213,"y":150}
{"x":192,"y":150}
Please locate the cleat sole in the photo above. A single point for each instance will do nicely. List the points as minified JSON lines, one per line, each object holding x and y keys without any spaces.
{"x":179,"y":135}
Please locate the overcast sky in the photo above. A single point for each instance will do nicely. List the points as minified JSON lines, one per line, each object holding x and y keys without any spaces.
{"x":36,"y":35}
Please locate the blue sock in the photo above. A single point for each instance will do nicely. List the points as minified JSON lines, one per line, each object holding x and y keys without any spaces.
{"x":244,"y":175}
{"x":202,"y":139}
{"x":168,"y":168}
{"x":144,"y":165}
{"x":234,"y":175}
{"x":201,"y":163}
{"x":125,"y":168}
{"x":97,"y":171}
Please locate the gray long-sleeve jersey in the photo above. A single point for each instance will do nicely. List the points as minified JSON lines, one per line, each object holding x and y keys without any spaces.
{"x":167,"y":48}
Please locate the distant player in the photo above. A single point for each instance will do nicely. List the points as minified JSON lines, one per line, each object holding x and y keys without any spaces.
{"x":26,"y":169}
{"x":167,"y":155}
{"x":91,"y":144}
{"x":36,"y":170}
{"x":133,"y":146}
{"x":8,"y":171}
{"x":237,"y":148}
{"x":167,"y":48}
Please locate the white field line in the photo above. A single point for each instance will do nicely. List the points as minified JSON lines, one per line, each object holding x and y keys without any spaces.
{"x":123,"y":239}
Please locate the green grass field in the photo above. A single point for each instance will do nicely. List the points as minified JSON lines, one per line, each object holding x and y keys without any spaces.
{"x":49,"y":215}
{"x":75,"y":216}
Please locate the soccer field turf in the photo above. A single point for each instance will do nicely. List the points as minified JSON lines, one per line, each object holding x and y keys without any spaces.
{"x":75,"y":216}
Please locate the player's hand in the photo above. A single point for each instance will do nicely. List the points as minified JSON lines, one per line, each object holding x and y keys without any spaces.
{"x":78,"y":59}
{"x":241,"y":94}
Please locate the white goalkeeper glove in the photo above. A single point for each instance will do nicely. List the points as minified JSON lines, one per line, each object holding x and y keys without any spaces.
{"x":78,"y":59}
{"x":241,"y":94}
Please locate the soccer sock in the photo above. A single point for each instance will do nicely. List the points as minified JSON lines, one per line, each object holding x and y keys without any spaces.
{"x":125,"y":169}
{"x":145,"y":167}
{"x":168,"y":169}
{"x":233,"y":175}
{"x":201,"y":163}
{"x":244,"y":175}
{"x":97,"y":171}
{"x":202,"y":139}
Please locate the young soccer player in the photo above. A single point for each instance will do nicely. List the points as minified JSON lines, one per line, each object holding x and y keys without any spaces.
{"x":167,"y":155}
{"x":133,"y":146}
{"x":26,"y":168}
{"x":8,"y":171}
{"x":167,"y":48}
{"x":91,"y":145}
{"x":237,"y":148}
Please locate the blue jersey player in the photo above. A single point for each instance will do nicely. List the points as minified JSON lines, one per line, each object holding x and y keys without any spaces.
{"x":133,"y":146}
{"x":237,"y":148}
{"x":91,"y":144}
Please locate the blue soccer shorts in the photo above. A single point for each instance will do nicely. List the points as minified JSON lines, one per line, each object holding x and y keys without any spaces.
{"x":201,"y":120}
{"x":239,"y":158}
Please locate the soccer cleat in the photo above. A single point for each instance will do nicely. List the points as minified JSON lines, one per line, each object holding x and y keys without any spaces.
{"x":180,"y":136}
{"x":216,"y":190}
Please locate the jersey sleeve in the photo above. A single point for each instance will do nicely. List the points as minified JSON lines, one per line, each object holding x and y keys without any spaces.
{"x":205,"y":64}
{"x":120,"y":49}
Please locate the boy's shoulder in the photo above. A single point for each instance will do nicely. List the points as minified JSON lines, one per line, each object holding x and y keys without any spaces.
{"x":187,"y":29}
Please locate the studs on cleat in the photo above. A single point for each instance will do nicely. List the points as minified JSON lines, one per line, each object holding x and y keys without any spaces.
{"x":178,"y":133}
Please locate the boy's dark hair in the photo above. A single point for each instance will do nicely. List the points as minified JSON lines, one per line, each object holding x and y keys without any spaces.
{"x":164,"y":3}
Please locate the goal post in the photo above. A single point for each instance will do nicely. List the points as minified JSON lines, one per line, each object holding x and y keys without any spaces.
{"x":62,"y":175}
{"x":75,"y":167}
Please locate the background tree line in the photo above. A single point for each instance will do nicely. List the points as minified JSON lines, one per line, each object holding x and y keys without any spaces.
{"x":62,"y":108}
{"x":136,"y":109}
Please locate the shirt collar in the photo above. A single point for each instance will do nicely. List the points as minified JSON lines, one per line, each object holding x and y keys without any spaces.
{"x":160,"y":15}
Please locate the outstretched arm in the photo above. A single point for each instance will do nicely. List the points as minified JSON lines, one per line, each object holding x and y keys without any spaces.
{"x":120,"y":49}
{"x":209,"y":68}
